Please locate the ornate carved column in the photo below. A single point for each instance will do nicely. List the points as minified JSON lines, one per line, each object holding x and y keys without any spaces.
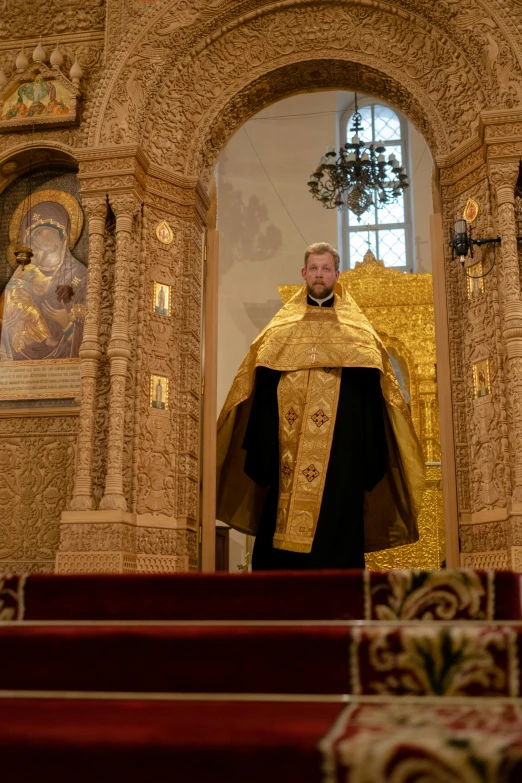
{"x":125,"y":207}
{"x":148,"y":518}
{"x":167,"y":449}
{"x":503,"y":176}
{"x":90,"y":354}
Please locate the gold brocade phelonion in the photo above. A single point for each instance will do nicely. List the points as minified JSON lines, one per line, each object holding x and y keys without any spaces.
{"x":300,"y":338}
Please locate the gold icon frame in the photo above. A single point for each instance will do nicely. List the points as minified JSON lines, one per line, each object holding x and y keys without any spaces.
{"x":159,"y":400}
{"x":164,"y":233}
{"x":157,"y":309}
{"x":481,"y":379}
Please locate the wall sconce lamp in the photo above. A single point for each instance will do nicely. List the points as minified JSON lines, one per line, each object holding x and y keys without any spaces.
{"x":462,"y":243}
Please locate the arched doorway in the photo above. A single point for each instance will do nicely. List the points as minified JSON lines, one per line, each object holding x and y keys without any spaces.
{"x":266,"y":218}
{"x":162,"y":129}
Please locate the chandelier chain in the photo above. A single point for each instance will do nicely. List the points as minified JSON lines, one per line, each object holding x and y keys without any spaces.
{"x":358,"y":176}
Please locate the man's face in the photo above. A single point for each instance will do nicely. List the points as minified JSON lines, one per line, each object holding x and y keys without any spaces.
{"x":320,"y":275}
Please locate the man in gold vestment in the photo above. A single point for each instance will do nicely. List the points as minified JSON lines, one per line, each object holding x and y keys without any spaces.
{"x":317,"y":455}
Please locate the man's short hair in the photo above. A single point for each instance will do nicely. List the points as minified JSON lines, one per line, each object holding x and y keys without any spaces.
{"x":321,"y":249}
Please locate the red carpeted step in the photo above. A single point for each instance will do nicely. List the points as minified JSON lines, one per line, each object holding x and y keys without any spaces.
{"x":274,"y":596}
{"x":59,"y":740}
{"x":325,"y":595}
{"x":56,"y":741}
{"x":176,"y":659}
{"x":453,"y":659}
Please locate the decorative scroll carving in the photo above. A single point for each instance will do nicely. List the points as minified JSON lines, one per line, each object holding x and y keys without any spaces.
{"x":158,"y":353}
{"x":486,"y":537}
{"x":137,"y":263}
{"x":489,"y":455}
{"x":99,"y":542}
{"x":36,"y":479}
{"x":161,"y":549}
{"x":516,"y":558}
{"x":97,"y":537}
{"x":439,"y":32}
{"x":482,"y":460}
{"x":101,"y":411}
{"x":167,"y":464}
{"x":339,"y":29}
{"x":29,"y":21}
{"x":503,"y":177}
{"x":190,"y":375}
{"x":300,"y":77}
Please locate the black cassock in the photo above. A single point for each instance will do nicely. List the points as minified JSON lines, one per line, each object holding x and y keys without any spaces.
{"x":357,"y":464}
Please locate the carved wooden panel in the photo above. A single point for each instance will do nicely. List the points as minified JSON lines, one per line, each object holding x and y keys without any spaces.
{"x":36,"y":479}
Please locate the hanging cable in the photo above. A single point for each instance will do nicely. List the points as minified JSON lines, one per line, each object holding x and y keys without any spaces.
{"x":275,"y":189}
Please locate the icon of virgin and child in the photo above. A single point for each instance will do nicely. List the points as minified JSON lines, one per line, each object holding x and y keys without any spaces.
{"x":42,"y":308}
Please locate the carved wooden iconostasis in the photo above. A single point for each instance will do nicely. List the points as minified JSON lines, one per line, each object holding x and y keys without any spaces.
{"x":139,"y":100}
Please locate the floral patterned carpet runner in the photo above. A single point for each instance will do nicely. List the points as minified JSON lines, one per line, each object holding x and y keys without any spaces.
{"x":430,"y":595}
{"x":11,"y":597}
{"x":436,"y":660}
{"x":405,"y":743}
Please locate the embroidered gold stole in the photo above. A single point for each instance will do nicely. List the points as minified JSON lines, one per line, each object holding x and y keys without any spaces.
{"x":307,"y":402}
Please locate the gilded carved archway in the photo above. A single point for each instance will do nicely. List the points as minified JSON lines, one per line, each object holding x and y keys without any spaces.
{"x":182,"y":84}
{"x":177,"y":69}
{"x":180,"y":78}
{"x":170,"y":113}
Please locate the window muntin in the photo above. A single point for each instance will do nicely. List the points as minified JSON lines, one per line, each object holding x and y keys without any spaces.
{"x":386,"y":231}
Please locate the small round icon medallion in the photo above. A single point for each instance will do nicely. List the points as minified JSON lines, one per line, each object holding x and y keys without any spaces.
{"x":164,"y":233}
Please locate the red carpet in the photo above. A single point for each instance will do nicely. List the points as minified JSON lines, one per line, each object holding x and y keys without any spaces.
{"x":439,"y":659}
{"x":327,"y":595}
{"x":398,"y":638}
{"x":186,"y":742}
{"x":56,"y":741}
{"x":282,"y":596}
{"x":169,"y":658}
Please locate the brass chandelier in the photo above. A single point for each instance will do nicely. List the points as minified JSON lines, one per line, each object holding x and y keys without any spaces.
{"x":358,"y":176}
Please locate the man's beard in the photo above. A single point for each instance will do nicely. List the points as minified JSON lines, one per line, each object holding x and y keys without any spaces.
{"x":322,"y":291}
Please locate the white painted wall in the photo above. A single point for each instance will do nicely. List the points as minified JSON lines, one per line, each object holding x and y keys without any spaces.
{"x":266,"y":217}
{"x":420,"y":178}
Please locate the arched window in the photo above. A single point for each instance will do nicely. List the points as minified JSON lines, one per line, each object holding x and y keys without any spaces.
{"x":387,"y":230}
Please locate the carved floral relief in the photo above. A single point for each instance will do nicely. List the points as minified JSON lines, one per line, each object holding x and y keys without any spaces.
{"x":36,"y":479}
{"x":178,"y":81}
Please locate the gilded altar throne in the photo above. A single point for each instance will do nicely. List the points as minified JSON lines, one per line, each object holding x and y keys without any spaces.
{"x":400,"y":307}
